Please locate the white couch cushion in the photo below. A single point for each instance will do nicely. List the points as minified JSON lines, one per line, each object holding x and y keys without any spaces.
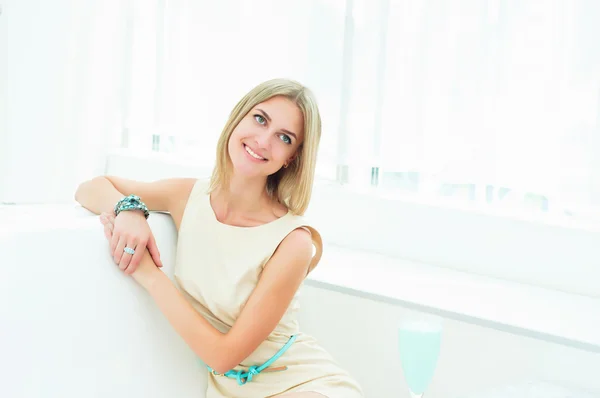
{"x":72,"y":324}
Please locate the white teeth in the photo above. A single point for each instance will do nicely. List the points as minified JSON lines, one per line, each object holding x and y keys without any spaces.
{"x":254,"y":155}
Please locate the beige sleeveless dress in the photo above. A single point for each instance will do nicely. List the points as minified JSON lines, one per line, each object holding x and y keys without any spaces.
{"x":217,"y":268}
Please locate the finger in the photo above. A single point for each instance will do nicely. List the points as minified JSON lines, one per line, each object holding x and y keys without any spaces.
{"x":109,"y":217}
{"x":153,"y":249}
{"x":108,"y":232}
{"x":118,"y":253}
{"x":136,"y":258}
{"x":105,"y":220}
{"x":126,"y":257}
{"x":114,"y":242}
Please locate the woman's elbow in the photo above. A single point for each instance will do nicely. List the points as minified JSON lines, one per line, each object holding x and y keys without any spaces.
{"x":226,"y":362}
{"x":85,"y":188}
{"x":221,"y":367}
{"x":79,"y":190}
{"x":221,"y":354}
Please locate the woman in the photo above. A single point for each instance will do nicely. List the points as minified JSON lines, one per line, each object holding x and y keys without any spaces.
{"x":243,"y":249}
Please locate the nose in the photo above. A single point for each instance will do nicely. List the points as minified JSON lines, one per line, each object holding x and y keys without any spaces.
{"x":262,"y":139}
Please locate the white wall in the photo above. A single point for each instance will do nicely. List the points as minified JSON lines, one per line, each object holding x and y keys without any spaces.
{"x":37,"y":49}
{"x":3,"y":97}
{"x":63,"y":80}
{"x":535,"y":252}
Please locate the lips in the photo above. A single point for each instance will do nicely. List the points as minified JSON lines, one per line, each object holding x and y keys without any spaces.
{"x":253,"y":154}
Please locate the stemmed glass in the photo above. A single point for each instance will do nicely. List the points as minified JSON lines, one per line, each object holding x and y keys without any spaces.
{"x":419,"y":343}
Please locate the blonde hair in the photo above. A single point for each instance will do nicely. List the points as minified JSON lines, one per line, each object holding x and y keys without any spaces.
{"x":291,"y":186}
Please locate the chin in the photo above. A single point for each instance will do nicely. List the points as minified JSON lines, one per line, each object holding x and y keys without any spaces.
{"x":242,"y":168}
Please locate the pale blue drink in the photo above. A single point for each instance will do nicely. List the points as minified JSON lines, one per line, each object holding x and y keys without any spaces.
{"x":419,"y":346}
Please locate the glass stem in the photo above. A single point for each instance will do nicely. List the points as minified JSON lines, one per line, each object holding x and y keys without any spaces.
{"x":413,"y":395}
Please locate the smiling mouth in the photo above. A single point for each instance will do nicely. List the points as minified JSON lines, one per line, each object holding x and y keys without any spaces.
{"x":253,"y":154}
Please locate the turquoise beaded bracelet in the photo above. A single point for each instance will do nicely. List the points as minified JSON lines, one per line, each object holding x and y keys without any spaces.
{"x":131,"y":202}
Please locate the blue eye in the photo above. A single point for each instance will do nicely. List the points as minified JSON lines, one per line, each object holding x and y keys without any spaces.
{"x":286,"y":139}
{"x":260,"y":119}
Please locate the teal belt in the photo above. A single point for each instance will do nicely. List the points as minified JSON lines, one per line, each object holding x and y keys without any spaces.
{"x":244,"y":377}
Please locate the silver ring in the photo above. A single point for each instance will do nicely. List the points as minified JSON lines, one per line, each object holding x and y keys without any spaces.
{"x":129,"y":250}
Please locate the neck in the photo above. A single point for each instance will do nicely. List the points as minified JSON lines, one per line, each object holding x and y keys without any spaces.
{"x":245,"y":195}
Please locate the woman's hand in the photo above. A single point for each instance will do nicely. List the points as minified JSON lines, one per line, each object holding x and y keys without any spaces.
{"x":129,"y":229}
{"x":146,"y":269}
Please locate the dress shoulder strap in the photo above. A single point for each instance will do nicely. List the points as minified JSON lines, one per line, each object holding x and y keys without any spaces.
{"x":194,"y":202}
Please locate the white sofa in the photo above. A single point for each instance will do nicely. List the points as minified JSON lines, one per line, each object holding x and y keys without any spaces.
{"x":72,"y":325}
{"x":101,"y":336}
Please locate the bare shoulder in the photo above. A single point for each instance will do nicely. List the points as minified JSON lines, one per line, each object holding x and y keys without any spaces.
{"x":298,"y":246}
{"x":304,"y":243}
{"x":299,"y":239}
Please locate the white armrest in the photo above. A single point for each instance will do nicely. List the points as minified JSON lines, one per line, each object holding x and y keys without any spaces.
{"x":73,"y":325}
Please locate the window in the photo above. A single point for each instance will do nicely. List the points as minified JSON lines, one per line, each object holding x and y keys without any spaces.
{"x":211,"y":53}
{"x":491,"y":103}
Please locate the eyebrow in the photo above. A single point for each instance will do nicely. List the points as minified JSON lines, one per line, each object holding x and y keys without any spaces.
{"x":266,"y":115}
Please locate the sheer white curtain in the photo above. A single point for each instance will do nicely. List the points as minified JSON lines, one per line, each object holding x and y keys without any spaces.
{"x":493,"y":101}
{"x":211,"y":53}
{"x":64,"y":86}
{"x":500,"y":94}
{"x":482,"y":101}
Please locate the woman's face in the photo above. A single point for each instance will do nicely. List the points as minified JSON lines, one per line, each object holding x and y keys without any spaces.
{"x":266,"y":138}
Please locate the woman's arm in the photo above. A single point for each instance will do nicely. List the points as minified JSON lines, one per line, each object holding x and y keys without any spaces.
{"x":276,"y":288}
{"x":102,"y":193}
{"x":98,"y":195}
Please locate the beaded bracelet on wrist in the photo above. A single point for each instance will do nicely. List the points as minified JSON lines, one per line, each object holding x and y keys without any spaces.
{"x":131,"y":202}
